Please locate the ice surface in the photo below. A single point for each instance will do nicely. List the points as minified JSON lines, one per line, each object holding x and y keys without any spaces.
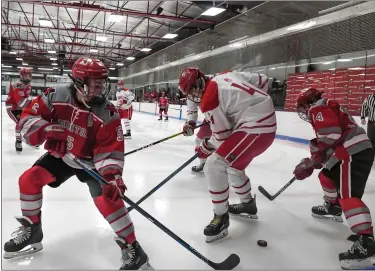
{"x":76,"y":236}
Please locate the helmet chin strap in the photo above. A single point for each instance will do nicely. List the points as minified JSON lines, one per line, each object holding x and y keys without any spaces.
{"x":82,"y":100}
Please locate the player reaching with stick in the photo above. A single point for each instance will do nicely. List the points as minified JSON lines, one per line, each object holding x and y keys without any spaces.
{"x":76,"y":119}
{"x":243,"y":123}
{"x":344,"y":151}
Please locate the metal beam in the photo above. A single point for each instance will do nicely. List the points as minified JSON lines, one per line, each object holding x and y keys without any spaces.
{"x":86,"y":31}
{"x":120,"y":12}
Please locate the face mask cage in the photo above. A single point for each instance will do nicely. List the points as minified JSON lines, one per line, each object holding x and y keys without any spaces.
{"x":84,"y":88}
{"x":196,"y":92}
{"x":303,"y":113}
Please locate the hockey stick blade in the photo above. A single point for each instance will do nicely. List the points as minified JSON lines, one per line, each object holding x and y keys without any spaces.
{"x":265,"y":193}
{"x":269,"y":196}
{"x":230,"y":263}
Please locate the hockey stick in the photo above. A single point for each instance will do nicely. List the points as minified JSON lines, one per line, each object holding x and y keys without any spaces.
{"x":174,"y":173}
{"x":271,"y":198}
{"x":230,"y":263}
{"x":161,"y":140}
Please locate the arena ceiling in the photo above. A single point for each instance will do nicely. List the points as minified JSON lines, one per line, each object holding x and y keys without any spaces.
{"x":53,"y":34}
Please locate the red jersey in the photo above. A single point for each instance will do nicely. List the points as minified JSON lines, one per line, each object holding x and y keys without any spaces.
{"x":163,"y":102}
{"x":95,"y":134}
{"x":337,"y":133}
{"x":18,"y":96}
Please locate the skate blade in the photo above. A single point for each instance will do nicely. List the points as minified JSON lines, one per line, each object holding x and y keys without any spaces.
{"x":334,"y":218}
{"x":365,"y":264}
{"x":31,"y":249}
{"x":210,"y":239}
{"x":244,"y":215}
{"x":146,"y":266}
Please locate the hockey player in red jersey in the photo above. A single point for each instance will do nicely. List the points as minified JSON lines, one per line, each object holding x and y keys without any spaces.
{"x":163,"y":106}
{"x":243,"y":123}
{"x":344,"y":151}
{"x":256,"y":79}
{"x":18,"y":98}
{"x":76,"y":119}
{"x":124,"y":99}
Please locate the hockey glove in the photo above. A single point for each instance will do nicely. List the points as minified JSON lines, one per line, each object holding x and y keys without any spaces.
{"x":188,"y":129}
{"x":115,"y":189}
{"x":56,"y":140}
{"x":304,"y":169}
{"x":204,"y":150}
{"x":317,"y":155}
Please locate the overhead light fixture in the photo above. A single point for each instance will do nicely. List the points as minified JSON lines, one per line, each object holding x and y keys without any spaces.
{"x":356,"y":68}
{"x":213,"y":11}
{"x":237,"y":45}
{"x":45,"y":22}
{"x":146,"y":49}
{"x":55,"y":68}
{"x":25,"y":64}
{"x":130,"y":58}
{"x":5,"y":66}
{"x":51,"y":52}
{"x":115,"y":18}
{"x":112,"y":68}
{"x":20,"y":67}
{"x":45,"y":69}
{"x":49,"y":40}
{"x":12,"y":53}
{"x":53,"y":58}
{"x":327,"y":63}
{"x":344,"y":59}
{"x":20,"y":59}
{"x":120,"y":64}
{"x":54,"y":64}
{"x":101,"y":38}
{"x":93,"y":50}
{"x":301,"y":26}
{"x":169,"y":36}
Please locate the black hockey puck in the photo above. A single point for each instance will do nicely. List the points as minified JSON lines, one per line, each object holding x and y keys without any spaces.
{"x":262,"y":243}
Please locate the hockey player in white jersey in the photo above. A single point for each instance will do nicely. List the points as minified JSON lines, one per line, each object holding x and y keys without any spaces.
{"x":243,"y":123}
{"x":124,"y":99}
{"x":256,"y":79}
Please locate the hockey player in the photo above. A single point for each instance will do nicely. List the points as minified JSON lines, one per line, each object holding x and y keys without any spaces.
{"x":256,"y":79}
{"x":124,"y":99}
{"x":18,"y":98}
{"x":76,"y":119}
{"x":163,"y":106}
{"x":344,"y":151}
{"x":243,"y":123}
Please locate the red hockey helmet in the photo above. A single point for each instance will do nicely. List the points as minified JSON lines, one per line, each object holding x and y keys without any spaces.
{"x":305,"y":99}
{"x":192,"y":83}
{"x":25,"y":74}
{"x":90,"y":78}
{"x":120,"y":85}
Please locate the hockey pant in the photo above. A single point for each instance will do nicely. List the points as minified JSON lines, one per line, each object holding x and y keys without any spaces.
{"x":15,"y":115}
{"x":126,"y":116}
{"x":345,"y":184}
{"x":161,"y":112}
{"x":52,"y":171}
{"x":227,"y":166}
{"x":203,"y":132}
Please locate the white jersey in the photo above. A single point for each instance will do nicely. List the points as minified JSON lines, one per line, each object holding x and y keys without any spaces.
{"x":232,"y":103}
{"x":124,"y":99}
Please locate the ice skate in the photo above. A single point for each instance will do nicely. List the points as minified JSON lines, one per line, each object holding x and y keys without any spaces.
{"x":133,"y":256}
{"x":360,"y":256}
{"x":27,"y":239}
{"x":160,"y":118}
{"x":327,"y":211}
{"x":166,"y":119}
{"x":198,"y":168}
{"x":246,"y":210}
{"x":217,"y":229}
{"x":18,"y":146}
{"x":128,"y":135}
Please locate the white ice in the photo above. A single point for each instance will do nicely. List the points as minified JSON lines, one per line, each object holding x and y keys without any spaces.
{"x":76,"y":236}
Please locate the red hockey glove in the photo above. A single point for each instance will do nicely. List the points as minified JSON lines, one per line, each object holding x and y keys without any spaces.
{"x":204,"y":150}
{"x":304,"y":169}
{"x":317,"y":155}
{"x":115,"y":189}
{"x":56,"y":140}
{"x":188,"y":129}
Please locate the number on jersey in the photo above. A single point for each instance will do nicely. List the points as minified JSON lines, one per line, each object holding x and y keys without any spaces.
{"x":319,"y":117}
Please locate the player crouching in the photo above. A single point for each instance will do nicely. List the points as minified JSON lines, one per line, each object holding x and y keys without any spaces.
{"x":76,"y":119}
{"x":243,"y":123}
{"x":344,"y":151}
